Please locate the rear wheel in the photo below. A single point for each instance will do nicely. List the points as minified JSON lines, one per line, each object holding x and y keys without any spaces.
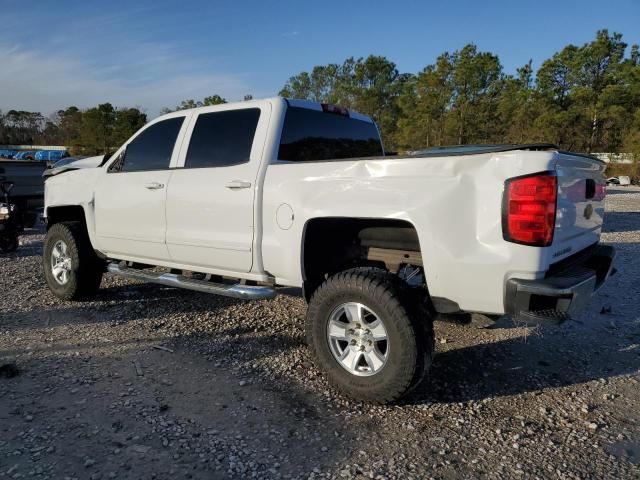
{"x":72,"y":269}
{"x":371,"y":334}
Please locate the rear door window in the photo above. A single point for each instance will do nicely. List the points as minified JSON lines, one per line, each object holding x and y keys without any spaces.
{"x":309,"y":135}
{"x":152,"y":149}
{"x":221,"y":139}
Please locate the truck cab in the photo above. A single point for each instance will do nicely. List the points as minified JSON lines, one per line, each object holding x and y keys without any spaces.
{"x":185,"y":191}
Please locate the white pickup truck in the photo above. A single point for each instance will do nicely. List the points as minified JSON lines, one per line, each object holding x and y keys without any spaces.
{"x":239,"y":199}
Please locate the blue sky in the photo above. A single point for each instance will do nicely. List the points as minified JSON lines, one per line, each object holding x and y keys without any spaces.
{"x":155,"y":53}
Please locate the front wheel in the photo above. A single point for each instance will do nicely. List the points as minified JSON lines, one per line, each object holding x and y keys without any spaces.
{"x":371,"y":334}
{"x":71,"y":268}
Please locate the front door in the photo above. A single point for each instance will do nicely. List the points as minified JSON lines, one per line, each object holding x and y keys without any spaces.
{"x":130,"y":198}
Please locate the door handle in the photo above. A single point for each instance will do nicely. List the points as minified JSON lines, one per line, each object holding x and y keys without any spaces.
{"x":238,"y":184}
{"x":154,"y":186}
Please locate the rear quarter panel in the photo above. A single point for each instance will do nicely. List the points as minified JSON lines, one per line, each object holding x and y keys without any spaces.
{"x":453,"y":202}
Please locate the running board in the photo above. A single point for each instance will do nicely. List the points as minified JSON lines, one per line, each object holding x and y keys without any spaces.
{"x":246,"y":292}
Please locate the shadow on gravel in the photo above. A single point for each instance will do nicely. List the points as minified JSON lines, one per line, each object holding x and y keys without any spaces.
{"x":620,"y":191}
{"x":621,"y":221}
{"x":240,"y":343}
{"x":24,"y":251}
{"x":520,"y":365}
{"x":122,"y":304}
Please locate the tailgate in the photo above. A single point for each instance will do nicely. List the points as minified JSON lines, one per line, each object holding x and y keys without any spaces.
{"x":581,"y":191}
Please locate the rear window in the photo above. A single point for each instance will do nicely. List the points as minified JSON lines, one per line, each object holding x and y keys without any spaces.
{"x":310,"y":135}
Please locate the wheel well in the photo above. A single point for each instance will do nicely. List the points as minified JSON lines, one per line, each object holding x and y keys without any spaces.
{"x":332,"y":244}
{"x":67,"y":213}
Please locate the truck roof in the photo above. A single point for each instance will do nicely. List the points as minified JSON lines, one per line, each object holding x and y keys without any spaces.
{"x":327,"y":107}
{"x":293,"y":102}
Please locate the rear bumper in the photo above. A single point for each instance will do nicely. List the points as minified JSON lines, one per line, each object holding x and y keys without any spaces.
{"x":563,"y":293}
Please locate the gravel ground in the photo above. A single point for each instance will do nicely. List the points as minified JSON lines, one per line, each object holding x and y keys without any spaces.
{"x":151,"y":382}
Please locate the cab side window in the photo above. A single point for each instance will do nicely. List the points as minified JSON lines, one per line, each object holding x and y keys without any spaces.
{"x":151,"y":150}
{"x":221,"y":139}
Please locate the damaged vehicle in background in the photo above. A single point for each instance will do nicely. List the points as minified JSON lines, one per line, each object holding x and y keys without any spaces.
{"x":27,"y":194}
{"x":622,"y":180}
{"x":73,"y":163}
{"x":239,"y":199}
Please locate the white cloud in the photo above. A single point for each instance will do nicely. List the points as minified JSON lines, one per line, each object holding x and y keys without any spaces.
{"x":151,"y":78}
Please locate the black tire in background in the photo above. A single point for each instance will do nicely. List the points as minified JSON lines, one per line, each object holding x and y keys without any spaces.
{"x":29,"y":219}
{"x":408,"y":322}
{"x":9,"y":243}
{"x":86,"y":268}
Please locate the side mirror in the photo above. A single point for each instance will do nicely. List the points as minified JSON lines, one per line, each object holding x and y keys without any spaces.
{"x":7,"y":187}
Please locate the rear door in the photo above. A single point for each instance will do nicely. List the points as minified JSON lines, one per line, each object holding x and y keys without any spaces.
{"x":580,"y":213}
{"x":210,"y":201}
{"x":130,"y":197}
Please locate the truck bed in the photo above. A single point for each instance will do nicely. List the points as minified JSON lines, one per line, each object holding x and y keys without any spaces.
{"x":463,"y":150}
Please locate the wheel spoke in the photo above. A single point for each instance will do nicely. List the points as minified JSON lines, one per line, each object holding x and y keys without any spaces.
{"x":350,"y":358}
{"x":338,"y":330}
{"x":56,"y":270}
{"x":377,"y":330}
{"x":374,"y":359}
{"x":353,"y":312}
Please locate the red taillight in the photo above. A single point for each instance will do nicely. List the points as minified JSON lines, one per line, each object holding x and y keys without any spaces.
{"x":529,"y":209}
{"x":601,"y":192}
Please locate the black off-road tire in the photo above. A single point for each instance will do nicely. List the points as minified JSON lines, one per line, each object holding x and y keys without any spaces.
{"x":86,"y":268}
{"x":408,"y":320}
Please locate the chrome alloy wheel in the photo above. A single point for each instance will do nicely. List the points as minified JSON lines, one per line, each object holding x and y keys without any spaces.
{"x":358,"y":339}
{"x":60,"y":262}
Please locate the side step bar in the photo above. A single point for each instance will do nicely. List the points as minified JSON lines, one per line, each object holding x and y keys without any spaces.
{"x":245,"y":292}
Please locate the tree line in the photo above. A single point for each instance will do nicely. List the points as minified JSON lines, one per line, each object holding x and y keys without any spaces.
{"x":92,"y":131}
{"x":584,"y":98}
